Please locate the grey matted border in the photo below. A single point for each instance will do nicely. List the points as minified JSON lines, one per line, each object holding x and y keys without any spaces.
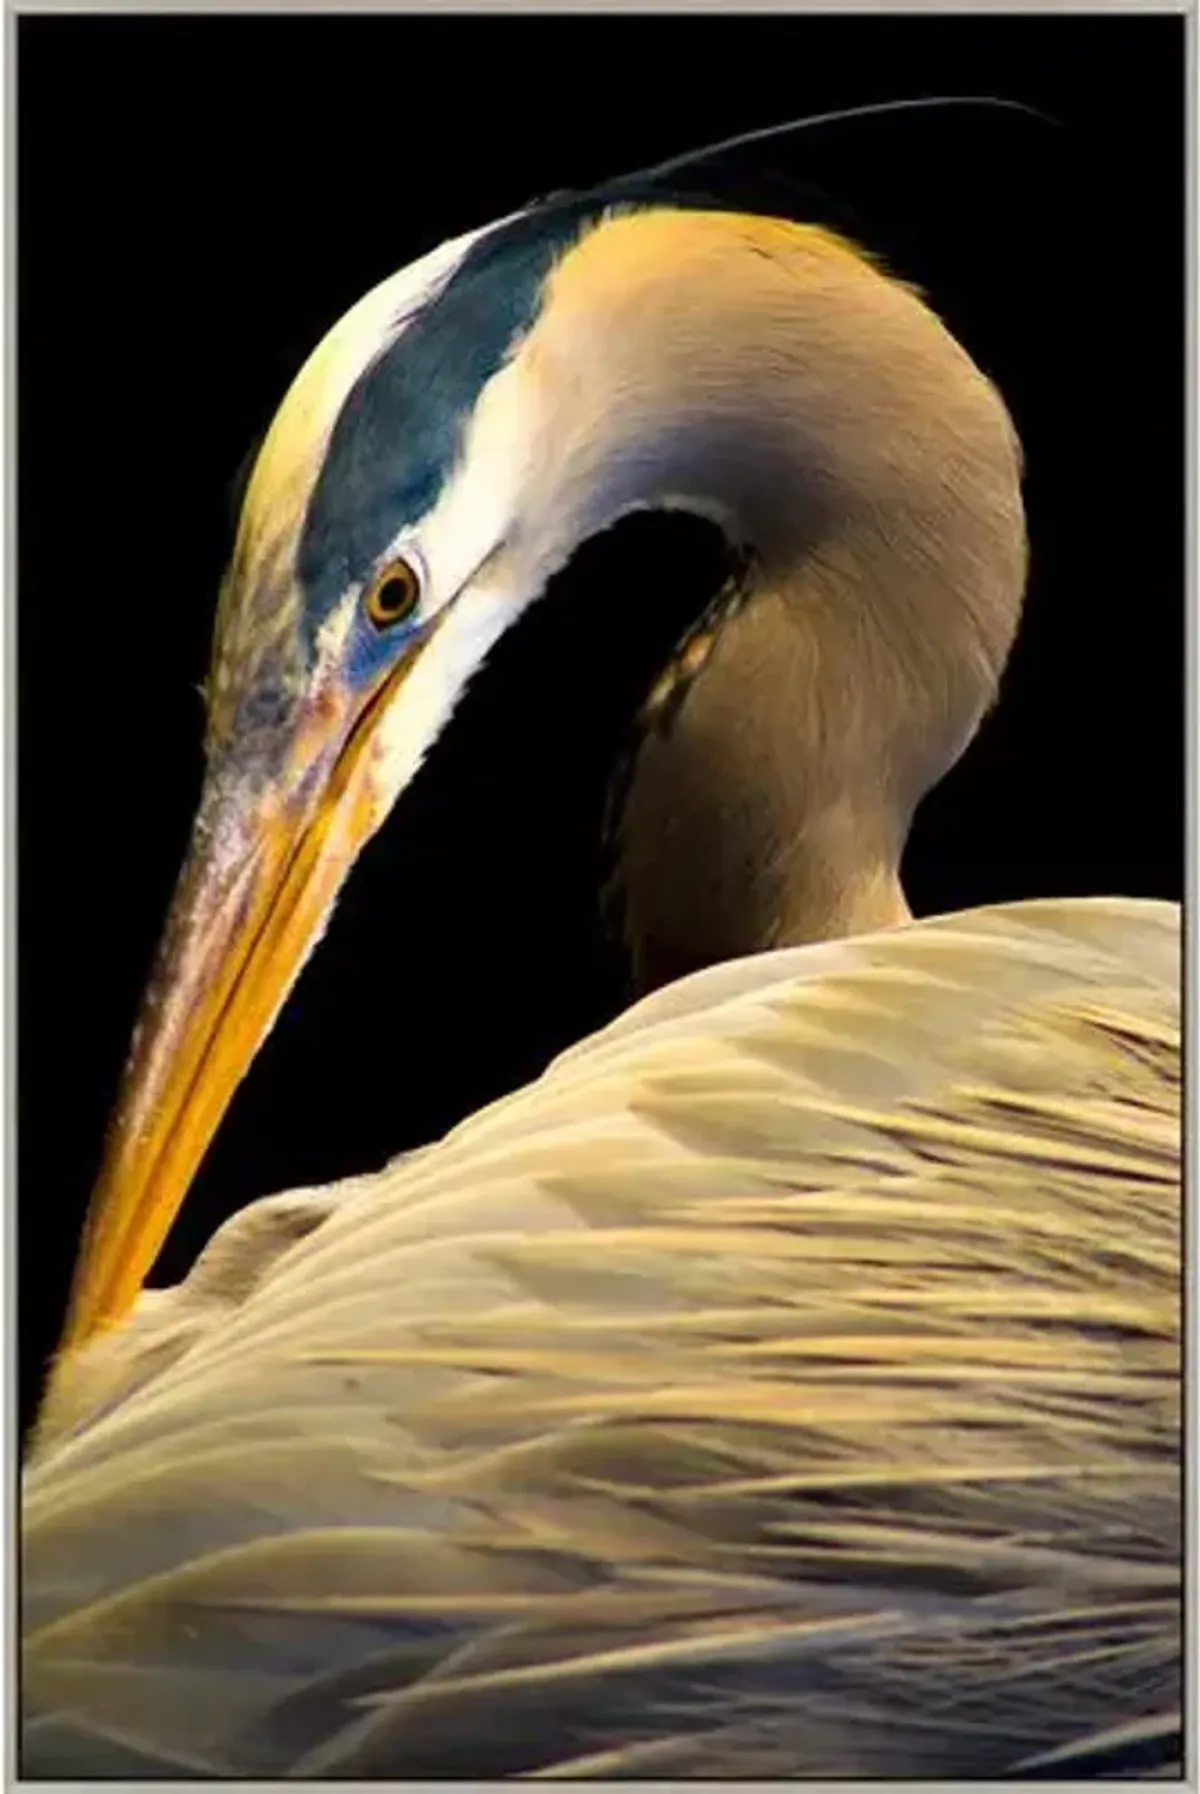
{"x":8,"y":958}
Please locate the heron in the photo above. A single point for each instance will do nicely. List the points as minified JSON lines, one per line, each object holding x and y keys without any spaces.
{"x":786,"y":1381}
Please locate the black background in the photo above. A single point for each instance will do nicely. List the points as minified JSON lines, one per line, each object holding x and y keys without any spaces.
{"x":199,"y":200}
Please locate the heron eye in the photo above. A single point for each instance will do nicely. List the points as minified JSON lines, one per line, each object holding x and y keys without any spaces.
{"x":393,"y":595}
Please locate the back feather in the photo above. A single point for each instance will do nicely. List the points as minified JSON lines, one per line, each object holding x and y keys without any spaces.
{"x":785,"y":1384}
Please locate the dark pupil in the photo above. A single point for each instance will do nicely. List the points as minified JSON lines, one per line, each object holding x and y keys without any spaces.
{"x":394,"y":595}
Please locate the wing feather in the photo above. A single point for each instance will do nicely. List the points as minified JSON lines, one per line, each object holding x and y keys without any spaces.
{"x":786,"y":1383}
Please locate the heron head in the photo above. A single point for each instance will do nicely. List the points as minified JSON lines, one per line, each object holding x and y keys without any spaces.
{"x":451,"y":442}
{"x":386,"y":539}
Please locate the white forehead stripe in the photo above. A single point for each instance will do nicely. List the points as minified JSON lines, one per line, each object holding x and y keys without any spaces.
{"x":290,"y":459}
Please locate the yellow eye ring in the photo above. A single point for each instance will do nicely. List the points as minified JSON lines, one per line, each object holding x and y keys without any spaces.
{"x":393,"y":594}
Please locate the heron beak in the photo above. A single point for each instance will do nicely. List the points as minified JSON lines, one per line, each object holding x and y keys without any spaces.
{"x":255,"y":894}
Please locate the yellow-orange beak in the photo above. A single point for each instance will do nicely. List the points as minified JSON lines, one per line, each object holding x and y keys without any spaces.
{"x":251,"y":904}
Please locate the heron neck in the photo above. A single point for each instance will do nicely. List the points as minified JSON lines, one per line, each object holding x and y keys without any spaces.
{"x":773,"y":380}
{"x":760,"y":812}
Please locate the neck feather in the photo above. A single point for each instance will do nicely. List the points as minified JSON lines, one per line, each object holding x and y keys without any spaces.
{"x":773,"y":379}
{"x":755,"y":815}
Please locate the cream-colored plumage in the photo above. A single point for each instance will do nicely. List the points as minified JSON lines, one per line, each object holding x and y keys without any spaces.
{"x":786,"y":1383}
